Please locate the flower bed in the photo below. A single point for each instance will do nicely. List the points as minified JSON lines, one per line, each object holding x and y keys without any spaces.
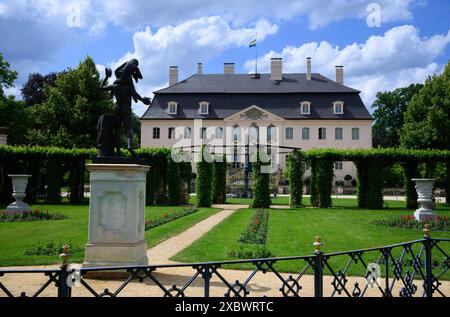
{"x":409,"y":222}
{"x":256,"y":231}
{"x":51,"y":248}
{"x":34,"y":215}
{"x":168,"y":217}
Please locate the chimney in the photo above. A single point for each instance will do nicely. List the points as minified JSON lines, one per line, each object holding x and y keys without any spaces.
{"x":3,"y":136}
{"x":308,"y":68}
{"x":199,"y":68}
{"x":228,"y":68}
{"x":173,"y":75}
{"x":276,"y":68}
{"x":340,"y":74}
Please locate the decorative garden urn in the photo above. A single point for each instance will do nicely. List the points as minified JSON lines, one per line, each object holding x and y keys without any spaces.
{"x":424,"y":188}
{"x":19,"y":187}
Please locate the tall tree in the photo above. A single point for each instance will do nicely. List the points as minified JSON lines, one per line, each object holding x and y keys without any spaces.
{"x":7,"y":76}
{"x":389,"y":109}
{"x":68,"y":116}
{"x":33,"y":89}
{"x":427,"y":119}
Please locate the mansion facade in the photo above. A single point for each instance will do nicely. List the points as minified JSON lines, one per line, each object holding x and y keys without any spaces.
{"x":284,"y":111}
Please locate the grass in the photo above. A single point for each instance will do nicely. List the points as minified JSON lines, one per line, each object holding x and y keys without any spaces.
{"x":291,"y":233}
{"x":17,"y":238}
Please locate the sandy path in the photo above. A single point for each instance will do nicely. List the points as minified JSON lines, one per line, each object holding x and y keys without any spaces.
{"x":162,"y":252}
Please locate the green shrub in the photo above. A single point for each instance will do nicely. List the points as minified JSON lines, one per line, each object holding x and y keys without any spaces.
{"x":34,"y":215}
{"x":50,"y":248}
{"x":219,"y":187}
{"x":362,"y":183}
{"x":261,"y":184}
{"x":173,"y":182}
{"x":251,"y":252}
{"x":409,"y":222}
{"x":295,"y":171}
{"x":375,"y":195}
{"x":204,"y":182}
{"x":322,"y":172}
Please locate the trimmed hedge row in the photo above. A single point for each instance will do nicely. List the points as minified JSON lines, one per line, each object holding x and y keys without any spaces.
{"x":295,"y":171}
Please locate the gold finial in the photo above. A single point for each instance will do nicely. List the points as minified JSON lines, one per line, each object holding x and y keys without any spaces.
{"x":317,"y":244}
{"x":426,"y":230}
{"x":65,"y":254}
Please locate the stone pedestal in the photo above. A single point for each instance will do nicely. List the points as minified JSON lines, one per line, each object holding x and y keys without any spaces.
{"x":116,"y":215}
{"x":424,"y":188}
{"x":19,"y":183}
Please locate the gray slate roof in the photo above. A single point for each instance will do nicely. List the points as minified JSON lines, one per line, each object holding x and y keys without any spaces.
{"x":229,"y":94}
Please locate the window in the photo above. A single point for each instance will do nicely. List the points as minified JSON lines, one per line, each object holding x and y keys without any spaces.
{"x":219,"y":133}
{"x":171,"y":133}
{"x":338,"y":107}
{"x":187,"y":133}
{"x":271,"y":133}
{"x":338,"y":134}
{"x":172,"y":107}
{"x":204,"y":108}
{"x":305,"y":133}
{"x":253,"y":133}
{"x":156,"y":133}
{"x":203,"y":133}
{"x":236,"y":134}
{"x":322,"y":133}
{"x":338,"y":165}
{"x":305,"y":107}
{"x":355,"y":133}
{"x":289,"y":133}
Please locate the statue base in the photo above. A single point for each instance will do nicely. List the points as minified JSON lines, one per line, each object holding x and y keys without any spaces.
{"x":423,"y":214}
{"x":116,"y":216}
{"x":117,"y":160}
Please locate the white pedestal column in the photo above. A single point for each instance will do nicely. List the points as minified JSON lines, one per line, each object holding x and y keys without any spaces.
{"x":116,"y":215}
{"x":424,"y":188}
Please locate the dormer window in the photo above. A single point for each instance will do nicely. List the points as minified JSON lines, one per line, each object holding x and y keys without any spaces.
{"x":338,"y":107}
{"x":305,"y":107}
{"x":172,"y":107}
{"x":204,"y":108}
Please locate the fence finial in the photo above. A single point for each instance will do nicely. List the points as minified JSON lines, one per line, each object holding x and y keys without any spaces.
{"x":317,"y":244}
{"x":65,"y":255}
{"x":426,"y":230}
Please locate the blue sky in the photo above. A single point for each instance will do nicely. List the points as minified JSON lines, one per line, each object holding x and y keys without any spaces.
{"x":411,"y":43}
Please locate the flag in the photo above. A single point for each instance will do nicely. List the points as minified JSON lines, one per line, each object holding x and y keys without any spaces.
{"x":252,"y":43}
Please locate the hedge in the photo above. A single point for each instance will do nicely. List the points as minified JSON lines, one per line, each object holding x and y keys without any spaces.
{"x":219,"y":186}
{"x":322,"y":183}
{"x":204,"y":182}
{"x":295,"y":171}
{"x":261,"y":184}
{"x":375,"y":175}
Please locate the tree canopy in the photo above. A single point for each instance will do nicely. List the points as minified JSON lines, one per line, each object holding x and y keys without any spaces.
{"x":7,"y":76}
{"x":33,"y":89}
{"x":389,"y":109}
{"x":68,"y":116}
{"x":427,"y":119}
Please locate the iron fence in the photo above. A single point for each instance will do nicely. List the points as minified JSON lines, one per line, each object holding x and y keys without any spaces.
{"x":411,"y":269}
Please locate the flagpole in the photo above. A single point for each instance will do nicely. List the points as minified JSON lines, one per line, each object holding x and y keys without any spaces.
{"x":256,"y":54}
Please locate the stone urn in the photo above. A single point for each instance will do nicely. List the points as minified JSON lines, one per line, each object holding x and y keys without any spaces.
{"x":19,"y":187}
{"x":424,"y":188}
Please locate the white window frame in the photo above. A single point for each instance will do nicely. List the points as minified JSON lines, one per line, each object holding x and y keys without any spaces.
{"x":291,"y":136}
{"x":305,"y":103}
{"x":324,"y":133}
{"x":219,"y":135}
{"x":169,"y":106}
{"x":200,"y":109}
{"x":303,"y":133}
{"x":335,"y":133}
{"x":357,"y":133}
{"x":336,"y":104}
{"x":156,"y":133}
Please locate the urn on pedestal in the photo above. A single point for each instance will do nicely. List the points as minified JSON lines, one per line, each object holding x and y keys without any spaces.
{"x":19,"y":192}
{"x":424,"y":188}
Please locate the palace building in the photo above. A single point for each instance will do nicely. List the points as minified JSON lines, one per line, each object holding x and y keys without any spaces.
{"x":298,"y":110}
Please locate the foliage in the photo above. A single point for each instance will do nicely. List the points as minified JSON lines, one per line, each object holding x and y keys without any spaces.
{"x":168,"y":217}
{"x":295,"y":171}
{"x":261,"y":183}
{"x":388,"y":115}
{"x":375,"y":188}
{"x":321,"y":182}
{"x":68,"y":117}
{"x":51,"y":248}
{"x":15,"y":117}
{"x":427,"y":120}
{"x":219,"y":187}
{"x":33,"y":89}
{"x":7,"y":76}
{"x":251,"y":252}
{"x":34,"y":215}
{"x":256,"y":231}
{"x":410,"y":170}
{"x":204,"y":182}
{"x":173,"y":182}
{"x":409,"y":222}
{"x":362,"y":184}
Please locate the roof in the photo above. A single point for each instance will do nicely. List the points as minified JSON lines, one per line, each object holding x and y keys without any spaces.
{"x":244,"y":83}
{"x":232,"y":93}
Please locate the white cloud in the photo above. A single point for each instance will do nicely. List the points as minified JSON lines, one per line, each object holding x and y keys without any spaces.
{"x":186,"y":44}
{"x":395,"y":59}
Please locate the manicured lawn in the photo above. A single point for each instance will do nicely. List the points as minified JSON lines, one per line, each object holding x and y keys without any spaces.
{"x":16,"y":238}
{"x":291,"y":233}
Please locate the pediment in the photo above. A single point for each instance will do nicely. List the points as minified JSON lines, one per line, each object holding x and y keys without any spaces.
{"x":253,"y":113}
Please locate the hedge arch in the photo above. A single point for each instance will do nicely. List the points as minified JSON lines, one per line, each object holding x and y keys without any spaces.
{"x":295,"y":171}
{"x":219,"y":186}
{"x":204,"y":182}
{"x":261,"y":183}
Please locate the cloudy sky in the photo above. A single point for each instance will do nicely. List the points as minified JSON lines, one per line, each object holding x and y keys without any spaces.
{"x":408,"y":42}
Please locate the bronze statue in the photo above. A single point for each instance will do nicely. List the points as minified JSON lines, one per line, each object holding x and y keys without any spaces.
{"x":123,"y":90}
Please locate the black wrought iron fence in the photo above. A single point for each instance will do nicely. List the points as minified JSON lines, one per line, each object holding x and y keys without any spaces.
{"x":409,"y":269}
